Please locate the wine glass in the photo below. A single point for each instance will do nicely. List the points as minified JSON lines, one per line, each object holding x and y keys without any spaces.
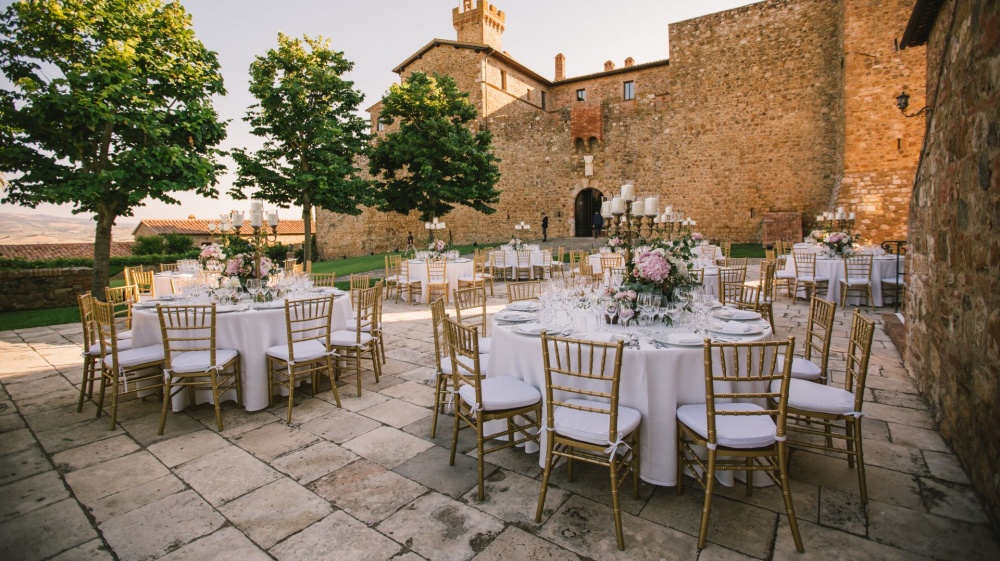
{"x":253,"y":287}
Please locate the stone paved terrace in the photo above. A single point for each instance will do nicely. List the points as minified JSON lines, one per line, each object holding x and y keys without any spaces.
{"x":367,"y":482}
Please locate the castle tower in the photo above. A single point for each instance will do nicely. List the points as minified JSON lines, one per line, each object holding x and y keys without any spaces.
{"x":481,"y":25}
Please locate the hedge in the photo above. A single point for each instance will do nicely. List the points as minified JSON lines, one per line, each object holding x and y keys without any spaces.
{"x":117,"y":263}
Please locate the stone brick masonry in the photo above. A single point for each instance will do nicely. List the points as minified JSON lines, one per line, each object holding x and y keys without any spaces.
{"x":779,"y":106}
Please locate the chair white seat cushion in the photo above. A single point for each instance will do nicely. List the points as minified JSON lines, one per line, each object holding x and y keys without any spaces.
{"x":473,"y":278}
{"x":200,"y":361}
{"x":484,"y":345}
{"x":136,"y":356}
{"x":801,"y":368}
{"x":123,"y":345}
{"x":592,"y":427}
{"x":810,"y":278}
{"x":124,"y":334}
{"x":784,"y":274}
{"x":348,"y":338}
{"x":304,"y":351}
{"x":743,"y":431}
{"x":500,"y":393}
{"x":856,"y":281}
{"x":483,"y":365}
{"x":810,"y":396}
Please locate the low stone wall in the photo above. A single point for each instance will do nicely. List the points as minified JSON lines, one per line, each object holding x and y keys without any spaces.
{"x":38,"y":289}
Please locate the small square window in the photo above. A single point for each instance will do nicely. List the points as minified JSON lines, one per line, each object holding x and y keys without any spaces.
{"x":379,"y":125}
{"x":543,"y":100}
{"x":581,"y":95}
{"x":629,"y":90}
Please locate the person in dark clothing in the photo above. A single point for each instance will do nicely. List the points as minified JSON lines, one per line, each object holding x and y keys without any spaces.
{"x":545,"y":227}
{"x":598,"y":224}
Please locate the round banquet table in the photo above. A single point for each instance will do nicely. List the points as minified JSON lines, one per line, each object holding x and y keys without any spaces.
{"x":162,"y":285}
{"x":883,"y":267}
{"x":456,"y":268}
{"x":654,"y":381}
{"x":250,"y":332}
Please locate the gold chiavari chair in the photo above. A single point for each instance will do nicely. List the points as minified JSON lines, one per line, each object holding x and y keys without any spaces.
{"x":727,"y":248}
{"x":709,"y":253}
{"x":767,"y":291}
{"x":122,"y":298}
{"x":306,"y":352}
{"x":124,"y":370}
{"x":165,"y":267}
{"x":406,"y":282}
{"x":698,"y":276}
{"x":127,"y":274}
{"x":442,"y":375}
{"x":857,"y":278}
{"x":732,"y":262}
{"x":836,"y":411}
{"x":479,"y":276}
{"x":377,"y":330}
{"x":731,"y":281}
{"x":579,"y":263}
{"x":783,"y":276}
{"x":358,"y":342}
{"x":92,"y":353}
{"x":391,"y":278}
{"x":819,"y":332}
{"x":523,"y":265}
{"x":544,"y":269}
{"x":770,"y":254}
{"x":143,"y":282}
{"x":527,"y":290}
{"x":559,"y":263}
{"x":470,"y":310}
{"x":611,"y":261}
{"x":358,"y":283}
{"x":584,"y":420}
{"x":290,"y":265}
{"x":479,"y":400}
{"x":437,"y":279}
{"x":192,"y":359}
{"x":324,"y":279}
{"x":739,"y":434}
{"x":805,"y":274}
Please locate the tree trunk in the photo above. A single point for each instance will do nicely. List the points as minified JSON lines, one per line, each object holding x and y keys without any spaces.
{"x":102,"y":253}
{"x":307,"y":222}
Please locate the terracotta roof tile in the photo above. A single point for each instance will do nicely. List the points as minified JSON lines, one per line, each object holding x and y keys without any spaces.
{"x":199,"y":227}
{"x":35,"y":251}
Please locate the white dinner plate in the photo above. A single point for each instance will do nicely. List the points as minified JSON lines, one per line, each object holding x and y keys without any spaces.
{"x":734,"y":314}
{"x":533,"y":329}
{"x":512,"y":316}
{"x":680,"y":339}
{"x":735,"y":328}
{"x":524,"y":306}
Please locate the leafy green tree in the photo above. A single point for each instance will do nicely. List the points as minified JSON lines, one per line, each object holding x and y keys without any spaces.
{"x":434,"y":160}
{"x":110,"y":105}
{"x":306,"y":114}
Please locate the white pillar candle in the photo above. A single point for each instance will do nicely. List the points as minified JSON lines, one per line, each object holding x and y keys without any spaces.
{"x":819,"y":218}
{"x":669,"y":211}
{"x":427,"y":225}
{"x":638,"y":209}
{"x":272,"y":219}
{"x":628,"y":192}
{"x":652,"y":206}
{"x":255,"y":219}
{"x":617,"y":205}
{"x":237,"y":220}
{"x":851,"y":216}
{"x":606,"y":208}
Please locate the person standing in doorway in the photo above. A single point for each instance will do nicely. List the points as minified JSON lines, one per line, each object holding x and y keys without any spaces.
{"x":545,"y":227}
{"x":598,"y":224}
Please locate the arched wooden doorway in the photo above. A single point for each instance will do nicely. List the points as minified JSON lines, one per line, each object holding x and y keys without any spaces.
{"x":588,"y":202}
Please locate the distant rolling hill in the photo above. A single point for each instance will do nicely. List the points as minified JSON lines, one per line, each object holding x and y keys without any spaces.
{"x":42,"y":228}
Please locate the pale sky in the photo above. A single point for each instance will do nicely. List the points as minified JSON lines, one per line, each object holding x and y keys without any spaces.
{"x":379,"y":34}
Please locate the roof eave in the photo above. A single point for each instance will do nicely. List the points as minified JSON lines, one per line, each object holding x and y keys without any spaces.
{"x":918,"y":29}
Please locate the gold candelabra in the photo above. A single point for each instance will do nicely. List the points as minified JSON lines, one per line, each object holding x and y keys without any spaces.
{"x":836,"y":220}
{"x":638,"y":220}
{"x":231,"y":225}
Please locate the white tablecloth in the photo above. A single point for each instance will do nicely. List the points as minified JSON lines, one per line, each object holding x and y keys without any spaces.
{"x":456,"y":269}
{"x":653,"y":381}
{"x":250,"y":333}
{"x":883,"y":267}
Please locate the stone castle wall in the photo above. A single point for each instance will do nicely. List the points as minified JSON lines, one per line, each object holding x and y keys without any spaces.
{"x":758,"y":111}
{"x":953,"y":306}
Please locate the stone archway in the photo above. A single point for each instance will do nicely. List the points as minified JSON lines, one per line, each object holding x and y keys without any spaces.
{"x":588,"y":201}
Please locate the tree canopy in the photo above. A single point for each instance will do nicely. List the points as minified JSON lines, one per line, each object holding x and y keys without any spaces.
{"x":306,"y":114}
{"x":110,"y":104}
{"x":434,"y":160}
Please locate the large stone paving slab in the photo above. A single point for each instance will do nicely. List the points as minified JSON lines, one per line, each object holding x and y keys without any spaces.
{"x":338,"y":537}
{"x":158,"y":528}
{"x":314,"y":461}
{"x":224,"y":475}
{"x":110,"y":477}
{"x":45,"y":532}
{"x":94,"y":453}
{"x":134,"y":497}
{"x":930,"y":535}
{"x":513,"y":498}
{"x":275,"y":511}
{"x":442,"y":529}
{"x":274,"y":439}
{"x":587,"y":528}
{"x":387,"y":446}
{"x":187,"y":447}
{"x":515,"y":543}
{"x":340,"y":426}
{"x":367,"y":491}
{"x":22,"y":464}
{"x":430,"y":468}
{"x":31,"y":493}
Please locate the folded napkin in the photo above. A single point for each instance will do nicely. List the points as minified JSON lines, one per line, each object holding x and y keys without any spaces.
{"x":733,"y":327}
{"x":686,"y":339}
{"x":724,"y":313}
